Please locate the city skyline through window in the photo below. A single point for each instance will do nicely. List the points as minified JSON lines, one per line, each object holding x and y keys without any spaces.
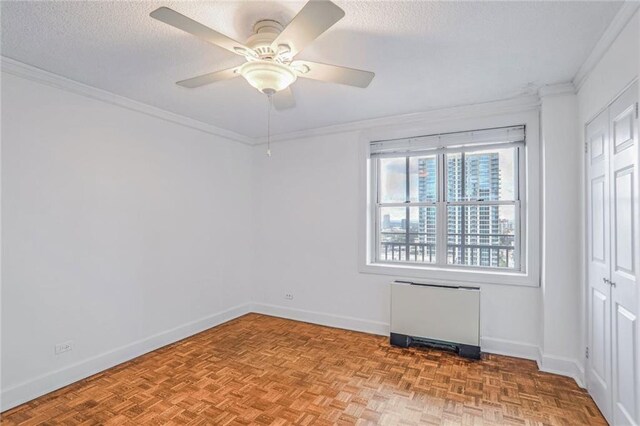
{"x":476,"y":195}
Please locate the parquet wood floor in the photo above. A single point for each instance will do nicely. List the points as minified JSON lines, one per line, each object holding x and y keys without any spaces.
{"x":271,"y":371}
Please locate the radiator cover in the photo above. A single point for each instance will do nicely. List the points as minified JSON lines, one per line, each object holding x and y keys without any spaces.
{"x":436,"y":315}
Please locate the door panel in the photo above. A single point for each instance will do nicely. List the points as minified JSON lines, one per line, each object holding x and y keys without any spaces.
{"x":599,"y":355}
{"x":623,"y":197}
{"x":597,"y":146}
{"x":626,"y":358}
{"x":598,"y":224}
{"x":624,"y":262}
{"x":598,"y":240}
{"x":623,"y":128}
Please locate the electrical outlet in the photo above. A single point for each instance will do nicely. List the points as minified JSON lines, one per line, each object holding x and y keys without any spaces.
{"x":288,"y":296}
{"x":63,"y":347}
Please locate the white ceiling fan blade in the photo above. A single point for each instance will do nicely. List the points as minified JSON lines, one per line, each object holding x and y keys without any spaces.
{"x":315,"y":18}
{"x":284,"y":99}
{"x":178,"y":20}
{"x":333,"y":73}
{"x":209,"y":78}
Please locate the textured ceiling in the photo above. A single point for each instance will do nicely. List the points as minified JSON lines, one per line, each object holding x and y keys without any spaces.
{"x":424,"y":54}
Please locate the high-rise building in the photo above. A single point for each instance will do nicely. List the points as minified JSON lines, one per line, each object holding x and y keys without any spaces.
{"x":472,"y":177}
{"x":427,"y":191}
{"x":386,"y":221}
{"x":481,"y":223}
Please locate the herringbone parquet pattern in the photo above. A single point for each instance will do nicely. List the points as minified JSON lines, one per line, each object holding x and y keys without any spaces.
{"x":271,"y":371}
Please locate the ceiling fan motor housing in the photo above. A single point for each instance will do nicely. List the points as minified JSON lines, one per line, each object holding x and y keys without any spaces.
{"x":264,"y":33}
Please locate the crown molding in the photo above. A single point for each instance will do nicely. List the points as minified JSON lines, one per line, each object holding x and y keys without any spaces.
{"x":29,"y":72}
{"x":557,"y":90}
{"x":506,"y":106}
{"x":513,"y":105}
{"x":622,"y":18}
{"x":624,"y":15}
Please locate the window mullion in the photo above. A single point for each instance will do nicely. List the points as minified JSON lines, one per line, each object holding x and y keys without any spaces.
{"x":482,"y":203}
{"x":407,"y":200}
{"x":517,"y":238}
{"x":519,"y":249}
{"x":441,"y":227}
{"x":463,"y":213}
{"x":377,"y":239}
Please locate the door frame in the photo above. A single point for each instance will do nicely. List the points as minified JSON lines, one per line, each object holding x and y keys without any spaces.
{"x":585,"y":229}
{"x":602,"y":397}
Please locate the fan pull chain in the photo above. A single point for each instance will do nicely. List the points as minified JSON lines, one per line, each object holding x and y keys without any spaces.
{"x":269,"y":125}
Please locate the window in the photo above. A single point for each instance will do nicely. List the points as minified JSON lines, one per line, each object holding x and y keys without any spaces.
{"x":449,"y":200}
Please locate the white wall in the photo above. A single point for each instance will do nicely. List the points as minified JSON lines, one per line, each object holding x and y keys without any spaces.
{"x":619,"y":66}
{"x":307,"y":215}
{"x":121,"y":232}
{"x":561,"y":256}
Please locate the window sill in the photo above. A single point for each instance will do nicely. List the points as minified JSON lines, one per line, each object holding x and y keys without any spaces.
{"x":452,"y":276}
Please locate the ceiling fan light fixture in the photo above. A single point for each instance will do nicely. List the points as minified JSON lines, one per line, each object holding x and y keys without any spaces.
{"x":268,"y":76}
{"x":270,"y":51}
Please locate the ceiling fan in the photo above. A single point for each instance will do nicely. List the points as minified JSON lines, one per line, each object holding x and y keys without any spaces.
{"x":269,"y":52}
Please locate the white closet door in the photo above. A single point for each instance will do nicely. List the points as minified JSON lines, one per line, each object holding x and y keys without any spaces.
{"x":624,"y":258}
{"x":598,"y":239}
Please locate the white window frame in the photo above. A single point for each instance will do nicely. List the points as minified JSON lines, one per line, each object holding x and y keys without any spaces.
{"x":441,"y":204}
{"x":528,"y":239}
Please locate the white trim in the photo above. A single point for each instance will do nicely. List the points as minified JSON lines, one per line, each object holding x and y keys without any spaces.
{"x":452,"y":113}
{"x":445,"y":143}
{"x":49,"y":382}
{"x":547,"y":363}
{"x":608,"y":104}
{"x":585,"y":246}
{"x":504,"y":106}
{"x":562,"y":366}
{"x":321,"y":318}
{"x":509,"y":348}
{"x":19,"y":69}
{"x":530,"y":178}
{"x":458,"y":276}
{"x":557,"y":90}
{"x":1,"y":255}
{"x":41,"y":385}
{"x":624,"y":15}
{"x":441,"y":205}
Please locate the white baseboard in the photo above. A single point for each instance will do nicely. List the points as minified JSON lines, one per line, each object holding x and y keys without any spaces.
{"x":510,"y":348}
{"x":547,"y":363}
{"x":31,"y":389}
{"x":321,"y":318}
{"x":26,"y":391}
{"x":563,"y":366}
